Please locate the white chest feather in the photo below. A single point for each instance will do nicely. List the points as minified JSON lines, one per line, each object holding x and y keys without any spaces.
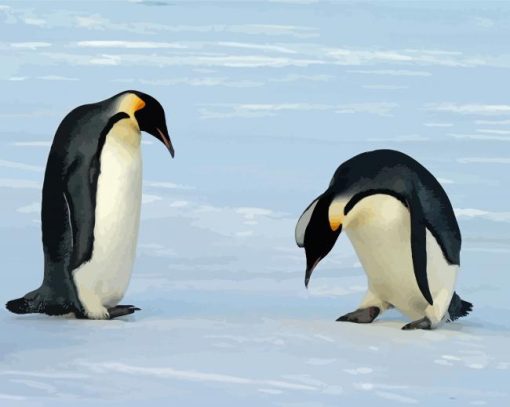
{"x":117,"y":218}
{"x":379,"y":229}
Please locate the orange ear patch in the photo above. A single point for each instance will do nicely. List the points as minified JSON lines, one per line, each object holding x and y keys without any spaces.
{"x":137,"y":104}
{"x":130,"y":103}
{"x":335,"y":215}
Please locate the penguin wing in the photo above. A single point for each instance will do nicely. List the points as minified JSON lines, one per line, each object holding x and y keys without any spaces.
{"x":432,"y":210}
{"x":419,"y":245}
{"x":441,"y":222}
{"x":79,"y":196}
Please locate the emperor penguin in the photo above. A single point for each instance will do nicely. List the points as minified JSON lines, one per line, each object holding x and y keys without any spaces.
{"x":91,"y":203}
{"x":403,"y":229}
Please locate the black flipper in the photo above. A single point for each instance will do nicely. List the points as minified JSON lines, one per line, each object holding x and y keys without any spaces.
{"x":419,"y":247}
{"x":81,"y":202}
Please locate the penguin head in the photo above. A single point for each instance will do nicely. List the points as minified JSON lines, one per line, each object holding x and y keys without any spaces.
{"x":150,"y":116}
{"x":317,"y":230}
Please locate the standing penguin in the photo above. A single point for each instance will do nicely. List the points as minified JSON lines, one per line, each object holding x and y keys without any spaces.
{"x":91,"y":207}
{"x":403,"y":229}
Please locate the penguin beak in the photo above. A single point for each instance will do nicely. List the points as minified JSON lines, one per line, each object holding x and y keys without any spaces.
{"x":309,"y":271}
{"x":165,"y":138}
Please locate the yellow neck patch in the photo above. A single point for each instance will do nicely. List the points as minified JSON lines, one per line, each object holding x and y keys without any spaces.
{"x":335,"y":215}
{"x":131,"y":103}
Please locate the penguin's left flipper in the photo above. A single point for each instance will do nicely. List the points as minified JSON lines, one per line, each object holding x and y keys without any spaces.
{"x":121,"y":310}
{"x":419,"y":246}
{"x":361,"y":316}
{"x":423,"y":323}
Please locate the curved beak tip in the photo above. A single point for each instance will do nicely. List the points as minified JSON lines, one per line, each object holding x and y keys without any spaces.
{"x":307,"y":280}
{"x":165,"y":138}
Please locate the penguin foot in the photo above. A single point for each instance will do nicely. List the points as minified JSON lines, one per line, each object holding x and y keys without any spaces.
{"x":121,"y":310}
{"x":361,"y":316}
{"x":423,"y":323}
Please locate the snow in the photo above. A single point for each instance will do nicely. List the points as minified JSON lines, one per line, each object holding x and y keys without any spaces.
{"x":263,"y":103}
{"x":220,"y":323}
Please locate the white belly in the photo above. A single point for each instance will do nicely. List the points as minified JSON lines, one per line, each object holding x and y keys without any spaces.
{"x":118,"y":202}
{"x":380,"y":233}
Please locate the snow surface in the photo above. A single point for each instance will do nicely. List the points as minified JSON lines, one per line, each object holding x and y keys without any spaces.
{"x":264,"y":101}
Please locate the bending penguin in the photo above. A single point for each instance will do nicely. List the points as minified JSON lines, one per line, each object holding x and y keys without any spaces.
{"x":403,"y":229}
{"x":91,"y":207}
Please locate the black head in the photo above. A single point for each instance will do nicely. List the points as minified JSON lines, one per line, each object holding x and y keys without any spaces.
{"x":151,"y":119}
{"x":317,"y":232}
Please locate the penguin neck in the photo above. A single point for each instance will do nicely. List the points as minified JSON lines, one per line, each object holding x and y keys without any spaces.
{"x":127,"y":134}
{"x":129,"y":103}
{"x":127,"y":131}
{"x":356,"y":216}
{"x":373,"y":209}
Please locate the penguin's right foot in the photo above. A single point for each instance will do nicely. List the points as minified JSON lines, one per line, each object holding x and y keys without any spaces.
{"x":361,"y":316}
{"x":121,"y":310}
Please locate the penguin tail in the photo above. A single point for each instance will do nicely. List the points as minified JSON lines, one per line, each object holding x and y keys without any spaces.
{"x":458,"y":308}
{"x":22,"y":306}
